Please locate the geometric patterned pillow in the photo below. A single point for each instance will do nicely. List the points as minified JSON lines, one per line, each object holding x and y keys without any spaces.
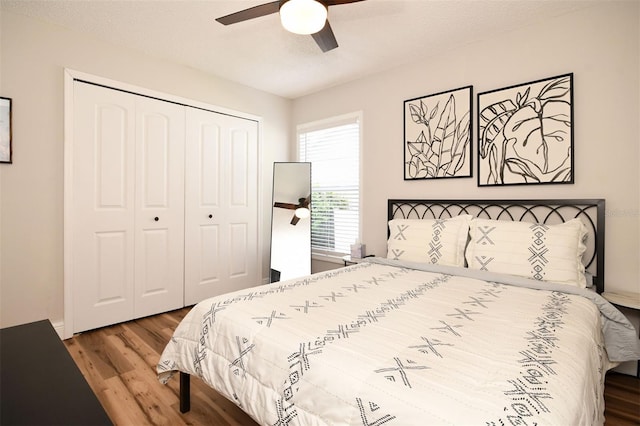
{"x":541,"y":252}
{"x":434,"y":241}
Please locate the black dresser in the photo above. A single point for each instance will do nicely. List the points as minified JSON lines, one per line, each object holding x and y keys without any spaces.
{"x":39,"y":382}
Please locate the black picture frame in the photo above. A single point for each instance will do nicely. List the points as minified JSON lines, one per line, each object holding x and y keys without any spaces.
{"x":6,"y":147}
{"x":440,"y":150}
{"x":525,"y":133}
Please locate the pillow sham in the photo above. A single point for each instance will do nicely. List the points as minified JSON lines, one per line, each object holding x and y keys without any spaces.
{"x":435,"y":241}
{"x":532,"y":250}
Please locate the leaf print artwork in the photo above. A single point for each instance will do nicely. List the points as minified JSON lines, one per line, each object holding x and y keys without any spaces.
{"x":526,"y":133}
{"x":438,"y":135}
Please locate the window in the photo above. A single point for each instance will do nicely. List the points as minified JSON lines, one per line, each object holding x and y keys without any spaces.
{"x":333,"y":148}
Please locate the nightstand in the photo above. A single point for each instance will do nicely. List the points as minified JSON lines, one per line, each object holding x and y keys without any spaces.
{"x":625,"y":299}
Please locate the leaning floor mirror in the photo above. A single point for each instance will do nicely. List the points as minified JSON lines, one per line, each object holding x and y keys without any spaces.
{"x":291,"y":221}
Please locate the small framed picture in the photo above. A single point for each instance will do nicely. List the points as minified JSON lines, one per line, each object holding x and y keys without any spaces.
{"x":5,"y":130}
{"x":525,"y":133}
{"x":437,"y":135}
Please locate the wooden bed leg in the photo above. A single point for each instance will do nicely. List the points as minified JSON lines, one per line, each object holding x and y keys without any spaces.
{"x":185,"y":392}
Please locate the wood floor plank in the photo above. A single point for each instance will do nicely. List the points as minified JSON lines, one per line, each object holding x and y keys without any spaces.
{"x":622,"y":399}
{"x":135,"y":349}
{"x":119,"y":362}
{"x":84,"y":361}
{"x":108,"y":361}
{"x":151,"y":336}
{"x":121,"y":405}
{"x":152,"y":400}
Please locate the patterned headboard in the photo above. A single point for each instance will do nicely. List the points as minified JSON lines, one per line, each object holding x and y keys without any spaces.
{"x":591,"y":212}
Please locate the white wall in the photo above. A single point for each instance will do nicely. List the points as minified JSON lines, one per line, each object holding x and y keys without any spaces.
{"x":34,"y":55}
{"x":600,"y":45}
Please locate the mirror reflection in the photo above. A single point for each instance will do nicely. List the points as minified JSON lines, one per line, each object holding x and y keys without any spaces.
{"x":291,"y":221}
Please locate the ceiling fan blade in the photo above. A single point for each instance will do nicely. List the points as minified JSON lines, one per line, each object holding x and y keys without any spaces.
{"x":251,"y":13}
{"x":325,"y":38}
{"x":289,"y":206}
{"x":338,"y":2}
{"x":294,"y":220}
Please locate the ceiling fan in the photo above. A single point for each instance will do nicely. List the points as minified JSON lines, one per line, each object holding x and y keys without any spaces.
{"x":301,"y":210}
{"x":297,"y":16}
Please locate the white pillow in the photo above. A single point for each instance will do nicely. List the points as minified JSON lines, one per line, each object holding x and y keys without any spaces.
{"x":541,"y":252}
{"x":435,"y":241}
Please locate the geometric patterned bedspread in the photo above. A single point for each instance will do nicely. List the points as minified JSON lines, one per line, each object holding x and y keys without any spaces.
{"x":375,"y":344}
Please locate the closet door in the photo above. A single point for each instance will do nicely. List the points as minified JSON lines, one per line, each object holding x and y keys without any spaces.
{"x":221,"y":213}
{"x":102,"y":218}
{"x":159,"y":213}
{"x":128,"y":206}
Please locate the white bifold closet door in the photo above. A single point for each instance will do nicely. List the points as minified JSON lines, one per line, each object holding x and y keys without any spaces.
{"x":221,"y":212}
{"x":164,"y":205}
{"x":128,"y":206}
{"x":159,"y":208}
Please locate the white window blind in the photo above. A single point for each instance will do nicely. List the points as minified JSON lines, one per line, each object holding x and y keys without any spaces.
{"x":333,"y":148}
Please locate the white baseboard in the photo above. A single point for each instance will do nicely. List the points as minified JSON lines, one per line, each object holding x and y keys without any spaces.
{"x":59,"y":328}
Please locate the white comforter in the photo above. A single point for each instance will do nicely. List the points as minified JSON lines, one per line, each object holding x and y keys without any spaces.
{"x":376,"y":344}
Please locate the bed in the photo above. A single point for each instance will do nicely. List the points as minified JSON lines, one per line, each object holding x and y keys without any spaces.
{"x":482,"y":312}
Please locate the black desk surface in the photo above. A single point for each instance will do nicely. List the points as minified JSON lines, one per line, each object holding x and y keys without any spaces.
{"x":39,"y":382}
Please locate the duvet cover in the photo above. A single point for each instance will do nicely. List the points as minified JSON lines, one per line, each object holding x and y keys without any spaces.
{"x":392,"y":343}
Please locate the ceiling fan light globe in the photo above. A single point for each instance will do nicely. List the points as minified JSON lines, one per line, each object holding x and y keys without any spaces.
{"x":303,"y":16}
{"x":302,"y":212}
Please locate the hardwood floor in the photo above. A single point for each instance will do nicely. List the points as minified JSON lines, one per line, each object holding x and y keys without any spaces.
{"x":622,"y":400}
{"x":119,"y":362}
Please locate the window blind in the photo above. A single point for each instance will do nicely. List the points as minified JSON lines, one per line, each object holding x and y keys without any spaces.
{"x":333,"y":149}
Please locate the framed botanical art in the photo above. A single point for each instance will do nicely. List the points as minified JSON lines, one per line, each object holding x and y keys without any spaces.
{"x":437,"y":135}
{"x":525,"y":133}
{"x":5,"y":130}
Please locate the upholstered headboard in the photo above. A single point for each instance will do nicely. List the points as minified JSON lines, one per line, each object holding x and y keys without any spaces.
{"x":590,"y":211}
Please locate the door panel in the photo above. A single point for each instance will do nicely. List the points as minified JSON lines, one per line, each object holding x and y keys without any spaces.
{"x":210,"y":259}
{"x":155,"y":138}
{"x":208,"y":152}
{"x":159,"y":218}
{"x":240,"y":176}
{"x":221,"y":174}
{"x":238,"y":247}
{"x":242,"y":243}
{"x":102,"y":218}
{"x":111,"y":158}
{"x":111,"y":267}
{"x":157,"y":266}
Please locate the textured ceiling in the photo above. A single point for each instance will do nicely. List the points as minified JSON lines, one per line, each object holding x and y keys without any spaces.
{"x":373,"y":35}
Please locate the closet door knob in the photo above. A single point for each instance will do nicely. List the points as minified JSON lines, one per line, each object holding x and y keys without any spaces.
{"x":156,"y":218}
{"x":210,"y":216}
